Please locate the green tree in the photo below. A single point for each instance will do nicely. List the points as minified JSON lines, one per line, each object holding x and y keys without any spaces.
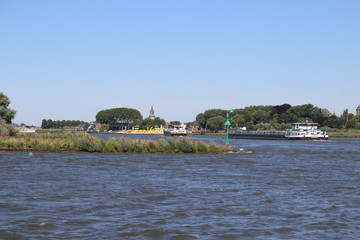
{"x":216,"y":123}
{"x":6,"y":113}
{"x":201,"y":120}
{"x":118,"y":115}
{"x":333,"y":122}
{"x":147,"y":123}
{"x":253,"y":115}
{"x":238,"y":120}
{"x":47,"y":124}
{"x":175,"y":123}
{"x":354,"y":122}
{"x":103,"y":128}
{"x":6,"y":116}
{"x":214,"y":113}
{"x":280,"y":109}
{"x":6,"y":129}
{"x":279,"y":117}
{"x":158,"y":122}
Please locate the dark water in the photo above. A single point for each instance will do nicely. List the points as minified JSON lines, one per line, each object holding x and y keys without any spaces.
{"x":283,"y":190}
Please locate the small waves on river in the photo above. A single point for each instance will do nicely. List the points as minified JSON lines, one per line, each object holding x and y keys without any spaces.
{"x":282,"y":190}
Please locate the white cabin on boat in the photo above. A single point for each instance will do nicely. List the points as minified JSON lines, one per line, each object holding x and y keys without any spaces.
{"x":305,"y":131}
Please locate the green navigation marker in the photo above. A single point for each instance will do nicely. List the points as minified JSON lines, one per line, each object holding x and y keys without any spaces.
{"x":228,"y":124}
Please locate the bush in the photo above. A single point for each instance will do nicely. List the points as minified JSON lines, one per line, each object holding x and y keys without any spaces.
{"x":187,"y":146}
{"x":6,"y":129}
{"x":89,"y":145}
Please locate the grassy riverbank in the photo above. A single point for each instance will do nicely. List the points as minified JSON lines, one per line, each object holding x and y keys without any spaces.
{"x":344,"y":133}
{"x":87,"y":143}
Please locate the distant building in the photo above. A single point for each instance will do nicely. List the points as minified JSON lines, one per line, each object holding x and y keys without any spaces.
{"x":194,"y":127}
{"x":152,"y":113}
{"x":358,"y":111}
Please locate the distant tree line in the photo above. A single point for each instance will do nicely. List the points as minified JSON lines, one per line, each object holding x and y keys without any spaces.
{"x":277,"y":117}
{"x":49,"y":123}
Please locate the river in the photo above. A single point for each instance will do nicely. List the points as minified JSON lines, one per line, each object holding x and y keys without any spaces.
{"x":272,"y":190}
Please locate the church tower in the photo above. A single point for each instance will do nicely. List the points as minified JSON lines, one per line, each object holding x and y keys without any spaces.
{"x":152,"y":113}
{"x":358,"y":111}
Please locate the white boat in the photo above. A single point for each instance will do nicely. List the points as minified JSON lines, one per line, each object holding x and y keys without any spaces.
{"x":27,"y":130}
{"x":176,"y":131}
{"x":305,"y":131}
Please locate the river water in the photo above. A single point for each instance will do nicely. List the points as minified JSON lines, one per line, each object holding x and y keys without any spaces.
{"x":272,"y":190}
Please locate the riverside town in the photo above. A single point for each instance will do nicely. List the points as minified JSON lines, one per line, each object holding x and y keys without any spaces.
{"x":263,"y":119}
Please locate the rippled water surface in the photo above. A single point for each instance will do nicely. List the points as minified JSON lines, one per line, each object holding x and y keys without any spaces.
{"x":277,"y":190}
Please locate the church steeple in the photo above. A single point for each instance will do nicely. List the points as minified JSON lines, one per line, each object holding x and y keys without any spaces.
{"x":152,"y":113}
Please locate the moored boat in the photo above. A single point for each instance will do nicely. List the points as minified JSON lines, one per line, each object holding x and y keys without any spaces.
{"x":27,"y":130}
{"x":176,"y":131}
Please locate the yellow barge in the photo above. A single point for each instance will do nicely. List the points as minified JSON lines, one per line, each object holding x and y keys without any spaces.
{"x":139,"y":131}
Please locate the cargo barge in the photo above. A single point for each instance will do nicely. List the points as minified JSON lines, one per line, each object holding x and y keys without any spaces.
{"x":261,"y":135}
{"x":298,"y":131}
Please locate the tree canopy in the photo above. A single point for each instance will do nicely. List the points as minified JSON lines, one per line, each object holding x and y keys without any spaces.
{"x":276,"y":117}
{"x":203,"y":118}
{"x":118,"y":115}
{"x":148,"y":123}
{"x":49,"y":123}
{"x":6,"y":116}
{"x":6,"y":113}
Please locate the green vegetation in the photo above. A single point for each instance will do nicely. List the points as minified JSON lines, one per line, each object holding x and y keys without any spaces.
{"x":104,"y":128}
{"x":6,"y":129}
{"x":56,"y":124}
{"x":276,"y":117}
{"x":6,"y":116}
{"x":148,"y":123}
{"x":6,"y":113}
{"x":342,"y":133}
{"x":173,"y":123}
{"x":82,"y":142}
{"x":118,"y":115}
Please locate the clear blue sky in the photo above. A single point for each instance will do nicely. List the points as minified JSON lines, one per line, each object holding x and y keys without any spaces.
{"x":69,"y":59}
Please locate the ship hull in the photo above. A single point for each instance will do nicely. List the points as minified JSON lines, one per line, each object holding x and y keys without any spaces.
{"x":175,"y":134}
{"x":258,"y":136}
{"x":261,"y":136}
{"x":307,"y":138}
